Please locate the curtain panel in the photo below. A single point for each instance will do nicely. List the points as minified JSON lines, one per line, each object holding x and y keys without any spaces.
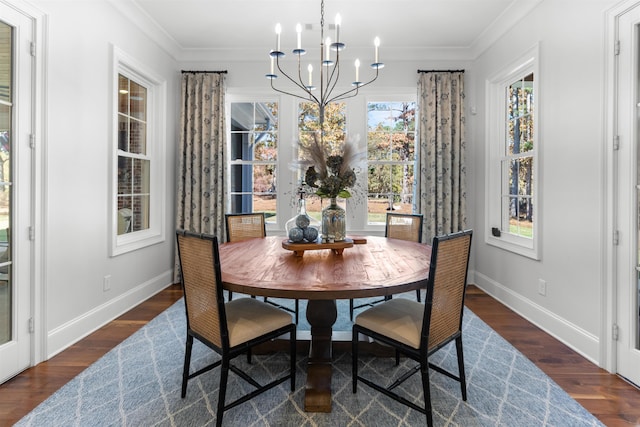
{"x":201,"y":192}
{"x":441,"y":184}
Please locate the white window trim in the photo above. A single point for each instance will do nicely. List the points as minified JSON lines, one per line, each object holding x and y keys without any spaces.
{"x":495,"y":137}
{"x":156,"y":116}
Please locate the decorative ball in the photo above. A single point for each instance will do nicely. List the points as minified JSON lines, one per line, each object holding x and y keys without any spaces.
{"x":311,"y":234}
{"x":302,"y":221}
{"x":296,"y":234}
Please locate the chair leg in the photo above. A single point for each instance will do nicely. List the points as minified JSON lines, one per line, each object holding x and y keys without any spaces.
{"x":354,"y":361}
{"x":230,"y":295}
{"x":418,"y":295}
{"x":351,"y":310}
{"x":424,"y":371}
{"x":292,"y":357}
{"x":461,"y":374}
{"x":187,"y":363}
{"x":397,"y":357}
{"x":297,"y":310}
{"x":249,"y":355}
{"x":222,"y":391}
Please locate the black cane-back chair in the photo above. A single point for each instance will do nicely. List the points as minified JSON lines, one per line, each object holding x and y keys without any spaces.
{"x":242,"y":226}
{"x":398,"y":226}
{"x":230,"y":329}
{"x":418,"y":330}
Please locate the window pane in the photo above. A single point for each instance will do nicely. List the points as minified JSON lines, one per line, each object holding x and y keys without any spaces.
{"x":266,"y":204}
{"x":266,"y":116}
{"x":264,"y":179}
{"x":378,"y":145}
{"x":520,"y":116}
{"x":379,"y":180}
{"x":141,"y":176}
{"x":140,"y":213}
{"x":265,"y":146}
{"x":138,"y":137}
{"x":403,"y":147}
{"x":123,"y":95}
{"x":241,"y":178}
{"x":6,"y":52}
{"x":402,"y":181}
{"x":521,"y":176}
{"x":123,"y":132}
{"x":125,"y":174}
{"x":334,"y":124}
{"x":138,"y":101}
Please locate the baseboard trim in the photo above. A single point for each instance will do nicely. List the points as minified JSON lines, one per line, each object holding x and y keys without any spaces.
{"x":579,"y":340}
{"x":69,"y":333}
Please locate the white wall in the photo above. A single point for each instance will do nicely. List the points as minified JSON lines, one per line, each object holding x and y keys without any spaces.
{"x":570,"y":190}
{"x":78,"y":148}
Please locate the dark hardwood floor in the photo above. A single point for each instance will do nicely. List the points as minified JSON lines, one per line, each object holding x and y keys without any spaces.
{"x":608,"y":397}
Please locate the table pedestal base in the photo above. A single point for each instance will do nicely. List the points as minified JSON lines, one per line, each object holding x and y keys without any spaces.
{"x":321,"y":315}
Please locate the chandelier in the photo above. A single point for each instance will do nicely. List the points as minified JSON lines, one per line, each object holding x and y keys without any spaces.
{"x":328,"y":66}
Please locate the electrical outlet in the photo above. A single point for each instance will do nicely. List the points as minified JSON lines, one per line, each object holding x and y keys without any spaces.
{"x":106,"y":283}
{"x":542,"y":287}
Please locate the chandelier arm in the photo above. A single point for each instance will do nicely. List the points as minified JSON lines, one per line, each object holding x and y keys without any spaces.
{"x":312,"y":97}
{"x":331,"y":81}
{"x":348,"y":94}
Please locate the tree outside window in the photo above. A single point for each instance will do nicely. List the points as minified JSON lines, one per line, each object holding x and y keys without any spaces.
{"x":335,"y":124}
{"x":517,"y":163}
{"x":391,"y":158}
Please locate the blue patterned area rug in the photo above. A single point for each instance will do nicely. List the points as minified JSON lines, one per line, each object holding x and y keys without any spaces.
{"x":138,"y":384}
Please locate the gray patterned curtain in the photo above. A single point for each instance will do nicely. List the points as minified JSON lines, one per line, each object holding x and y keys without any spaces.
{"x":201,"y":193}
{"x":441,"y":184}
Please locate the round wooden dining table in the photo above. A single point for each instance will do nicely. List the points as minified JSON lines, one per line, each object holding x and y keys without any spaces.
{"x":377,"y":266}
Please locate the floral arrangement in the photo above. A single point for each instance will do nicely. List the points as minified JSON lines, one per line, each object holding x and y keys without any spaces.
{"x":330,"y":173}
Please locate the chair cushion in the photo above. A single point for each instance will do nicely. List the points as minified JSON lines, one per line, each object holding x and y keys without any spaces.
{"x":248,"y":318}
{"x":399,"y":319}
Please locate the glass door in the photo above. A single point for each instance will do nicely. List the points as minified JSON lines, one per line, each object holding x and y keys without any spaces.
{"x":6,"y":106}
{"x":16,"y":119}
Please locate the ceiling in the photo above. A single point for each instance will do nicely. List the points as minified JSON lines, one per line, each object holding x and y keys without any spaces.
{"x":240,"y":29}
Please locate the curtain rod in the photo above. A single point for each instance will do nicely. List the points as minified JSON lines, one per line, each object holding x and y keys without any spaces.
{"x":204,"y":72}
{"x":440,"y":71}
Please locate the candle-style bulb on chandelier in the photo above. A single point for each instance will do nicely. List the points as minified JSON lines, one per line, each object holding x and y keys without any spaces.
{"x":329,"y":68}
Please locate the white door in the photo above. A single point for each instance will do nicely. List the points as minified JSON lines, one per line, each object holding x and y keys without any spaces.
{"x":16,"y":105}
{"x":628,"y":198}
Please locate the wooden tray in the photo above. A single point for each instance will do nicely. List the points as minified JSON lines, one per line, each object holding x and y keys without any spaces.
{"x":299,"y":248}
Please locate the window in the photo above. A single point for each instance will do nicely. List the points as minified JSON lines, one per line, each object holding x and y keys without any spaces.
{"x":512,"y":219}
{"x":335,"y":123}
{"x":134,"y":163}
{"x":264,"y":175}
{"x":253,"y":152}
{"x":138,"y":208}
{"x":391,"y":157}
